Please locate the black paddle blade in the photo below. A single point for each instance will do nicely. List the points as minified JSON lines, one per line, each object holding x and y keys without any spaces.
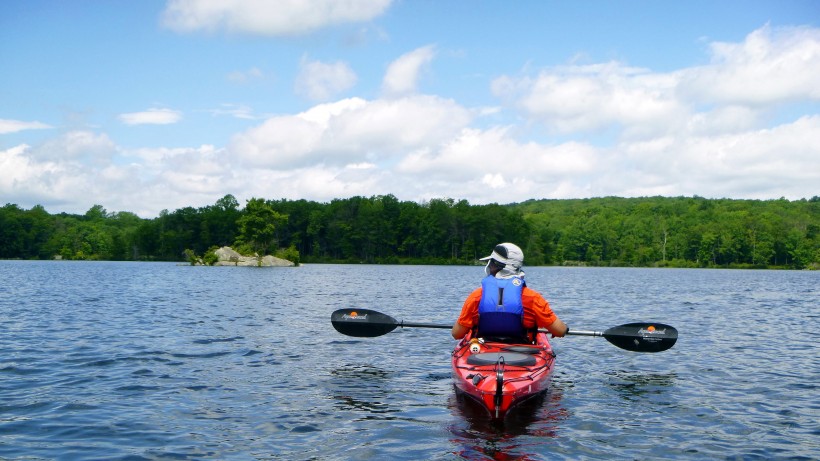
{"x":642,"y":337}
{"x":362,"y":323}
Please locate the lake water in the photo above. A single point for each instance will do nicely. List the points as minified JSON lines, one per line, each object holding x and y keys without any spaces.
{"x":133,"y":361}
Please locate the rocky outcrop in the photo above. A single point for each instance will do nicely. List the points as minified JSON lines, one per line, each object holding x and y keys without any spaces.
{"x":229,"y":257}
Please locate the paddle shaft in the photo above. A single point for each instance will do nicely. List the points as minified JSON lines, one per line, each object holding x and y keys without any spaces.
{"x":424,"y":325}
{"x":448,"y":327}
{"x":403,"y":324}
{"x":580,"y":332}
{"x":540,"y":330}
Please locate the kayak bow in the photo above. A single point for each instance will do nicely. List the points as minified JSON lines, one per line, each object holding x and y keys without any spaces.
{"x":499,"y":376}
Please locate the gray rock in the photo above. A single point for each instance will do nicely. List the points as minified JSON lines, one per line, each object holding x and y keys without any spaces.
{"x":229,"y":257}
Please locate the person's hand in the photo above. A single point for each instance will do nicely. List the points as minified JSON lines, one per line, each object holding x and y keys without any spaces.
{"x":561,"y":335}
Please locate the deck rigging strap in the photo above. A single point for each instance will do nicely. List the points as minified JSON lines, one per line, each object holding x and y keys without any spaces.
{"x":499,"y":385}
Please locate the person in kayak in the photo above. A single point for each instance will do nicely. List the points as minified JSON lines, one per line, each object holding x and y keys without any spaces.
{"x":504,"y":307}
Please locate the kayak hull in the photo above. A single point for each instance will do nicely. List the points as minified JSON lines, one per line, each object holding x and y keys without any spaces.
{"x":499,"y":376}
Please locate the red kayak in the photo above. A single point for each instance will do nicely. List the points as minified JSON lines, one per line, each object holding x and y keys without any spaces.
{"x":499,"y":376}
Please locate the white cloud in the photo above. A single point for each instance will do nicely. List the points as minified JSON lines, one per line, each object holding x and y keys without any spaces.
{"x":388,"y":127}
{"x":321,"y":81}
{"x":771,"y":66}
{"x":15,"y":166}
{"x":492,"y":166}
{"x":403,"y":74}
{"x":762,"y":163}
{"x":239,"y":111}
{"x":142,"y":181}
{"x":726,"y":119}
{"x":570,"y":99}
{"x":13,"y":126}
{"x":42,"y":181}
{"x":263,"y":17}
{"x":172,"y":178}
{"x":151,"y":117}
{"x":205,"y":159}
{"x":483,"y":166}
{"x":326,"y":183}
{"x":63,"y":170}
{"x":242,"y":77}
{"x":280,"y":142}
{"x":76,"y":146}
{"x":351,"y":131}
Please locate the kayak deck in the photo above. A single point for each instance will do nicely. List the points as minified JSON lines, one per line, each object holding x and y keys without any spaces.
{"x":499,"y":375}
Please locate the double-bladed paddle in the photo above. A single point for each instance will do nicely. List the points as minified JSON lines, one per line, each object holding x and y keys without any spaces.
{"x":366,"y":323}
{"x":637,"y":337}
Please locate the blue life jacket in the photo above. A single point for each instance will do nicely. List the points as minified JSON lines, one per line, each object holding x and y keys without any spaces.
{"x":501,"y":311}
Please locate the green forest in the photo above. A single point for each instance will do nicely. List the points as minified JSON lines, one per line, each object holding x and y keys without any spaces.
{"x":606,"y":231}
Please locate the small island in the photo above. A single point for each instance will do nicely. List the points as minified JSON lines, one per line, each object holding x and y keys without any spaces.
{"x":227,"y":256}
{"x":256,"y":237}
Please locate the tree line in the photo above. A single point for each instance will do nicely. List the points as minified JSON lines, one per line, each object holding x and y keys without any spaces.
{"x":607,"y":231}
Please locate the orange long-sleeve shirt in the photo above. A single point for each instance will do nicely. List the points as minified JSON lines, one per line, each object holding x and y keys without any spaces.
{"x":537,"y":311}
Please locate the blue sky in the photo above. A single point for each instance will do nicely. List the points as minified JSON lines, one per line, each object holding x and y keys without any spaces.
{"x":152,"y":105}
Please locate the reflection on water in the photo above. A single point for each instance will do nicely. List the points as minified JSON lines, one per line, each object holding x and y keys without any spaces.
{"x":636,"y":386}
{"x":362,"y":388}
{"x":533,"y":422}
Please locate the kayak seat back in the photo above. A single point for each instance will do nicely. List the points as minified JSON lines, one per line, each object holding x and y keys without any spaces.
{"x":500,"y":324}
{"x":510,"y":358}
{"x":506,"y":339}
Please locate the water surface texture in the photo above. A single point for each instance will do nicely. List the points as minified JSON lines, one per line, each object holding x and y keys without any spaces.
{"x":132,"y":361}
